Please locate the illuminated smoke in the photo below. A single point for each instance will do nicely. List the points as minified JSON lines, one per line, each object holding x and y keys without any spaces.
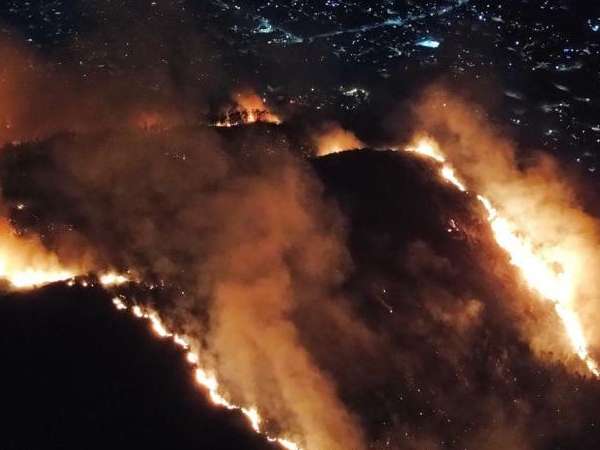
{"x":25,"y":262}
{"x":249,"y":108}
{"x":334,"y":139}
{"x":246,"y":248}
{"x":539,"y":206}
{"x":271,"y":244}
{"x":204,"y":376}
{"x":528,"y":252}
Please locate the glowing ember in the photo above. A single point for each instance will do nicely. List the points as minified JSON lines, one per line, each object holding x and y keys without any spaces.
{"x":119,"y":304}
{"x":540,"y":274}
{"x":289,"y":445}
{"x":253,"y":417}
{"x":152,"y":121}
{"x":335,"y":139}
{"x":192,"y":358}
{"x":449,"y":174}
{"x":181,"y":341}
{"x":427,"y":147}
{"x":543,"y":278}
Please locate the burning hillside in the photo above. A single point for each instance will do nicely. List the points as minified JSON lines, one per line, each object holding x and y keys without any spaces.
{"x":247,"y":108}
{"x":337,"y":258}
{"x":416,"y":281}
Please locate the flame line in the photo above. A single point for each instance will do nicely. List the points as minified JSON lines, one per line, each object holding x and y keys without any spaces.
{"x":204,"y":377}
{"x":33,"y":278}
{"x":556,"y":288}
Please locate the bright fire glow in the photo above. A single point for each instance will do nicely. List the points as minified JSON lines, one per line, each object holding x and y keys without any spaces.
{"x":112,"y":279}
{"x":540,"y":274}
{"x":30,"y":278}
{"x":427,"y":147}
{"x":204,"y":377}
{"x":250,"y":108}
{"x":25,"y":263}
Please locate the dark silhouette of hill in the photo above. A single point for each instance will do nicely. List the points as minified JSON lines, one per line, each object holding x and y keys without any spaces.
{"x":77,"y":374}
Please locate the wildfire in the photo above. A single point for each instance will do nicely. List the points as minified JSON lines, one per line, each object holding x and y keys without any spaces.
{"x":113,"y":279}
{"x":540,"y":274}
{"x":152,"y":121}
{"x":203,"y":376}
{"x":25,"y":263}
{"x":335,"y":139}
{"x":250,"y":108}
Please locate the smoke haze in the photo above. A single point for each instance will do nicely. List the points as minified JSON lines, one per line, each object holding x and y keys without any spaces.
{"x":530,"y":191}
{"x":356,"y":300}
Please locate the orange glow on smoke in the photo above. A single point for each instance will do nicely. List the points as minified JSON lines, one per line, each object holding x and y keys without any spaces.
{"x":335,"y":139}
{"x":113,"y":279}
{"x":250,"y":108}
{"x":540,"y":273}
{"x":152,"y":121}
{"x":25,"y":263}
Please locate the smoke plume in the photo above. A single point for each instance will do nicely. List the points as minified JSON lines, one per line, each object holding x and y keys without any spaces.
{"x":531,"y":192}
{"x":250,"y":245}
{"x":246,"y":244}
{"x":332,"y":138}
{"x":351,"y":301}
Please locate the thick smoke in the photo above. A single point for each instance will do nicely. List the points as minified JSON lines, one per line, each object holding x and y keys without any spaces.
{"x":250,"y":245}
{"x":245,"y":242}
{"x":40,"y":99}
{"x":272,"y":246}
{"x":417,"y":339}
{"x":412,"y":336}
{"x":124,"y":69}
{"x":531,"y":192}
{"x":332,"y":138}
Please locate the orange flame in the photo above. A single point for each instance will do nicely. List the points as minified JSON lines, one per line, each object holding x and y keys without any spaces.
{"x":250,"y":108}
{"x":203,"y":376}
{"x":536,"y":269}
{"x":335,"y":139}
{"x":25,"y":263}
{"x":113,"y":279}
